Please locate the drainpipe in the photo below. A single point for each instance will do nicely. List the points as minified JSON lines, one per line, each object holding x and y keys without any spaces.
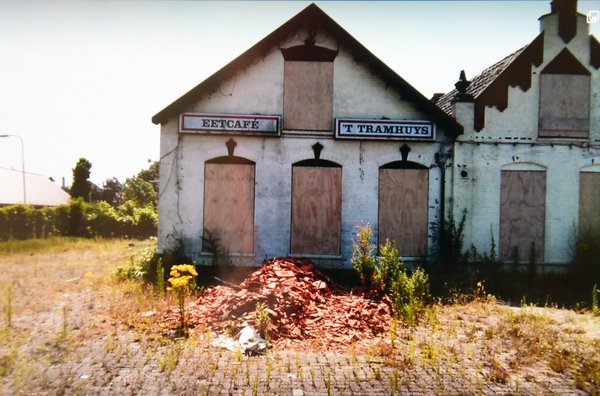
{"x":441,"y":157}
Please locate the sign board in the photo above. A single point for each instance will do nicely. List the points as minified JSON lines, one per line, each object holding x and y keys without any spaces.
{"x":384,"y":129}
{"x":260,"y":125}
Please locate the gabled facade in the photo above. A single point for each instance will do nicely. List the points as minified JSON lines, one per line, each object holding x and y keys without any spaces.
{"x":289,"y":147}
{"x":527,"y":167}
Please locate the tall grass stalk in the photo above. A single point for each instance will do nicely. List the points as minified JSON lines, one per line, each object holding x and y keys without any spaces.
{"x":9,"y":307}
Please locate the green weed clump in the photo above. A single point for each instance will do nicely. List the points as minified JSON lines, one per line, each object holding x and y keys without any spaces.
{"x":139,"y":266}
{"x":363,"y":255}
{"x":408,"y":292}
{"x":262,"y":320}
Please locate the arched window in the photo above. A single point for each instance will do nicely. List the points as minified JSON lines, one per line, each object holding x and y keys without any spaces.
{"x":522,"y":214}
{"x":316,"y":207}
{"x":229,"y":202}
{"x":403,"y":206}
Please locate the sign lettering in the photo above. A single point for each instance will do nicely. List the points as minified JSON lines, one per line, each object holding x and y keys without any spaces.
{"x":384,"y":129}
{"x":260,"y":125}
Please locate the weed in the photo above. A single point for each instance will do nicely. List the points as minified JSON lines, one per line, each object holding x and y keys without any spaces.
{"x":595,"y":309}
{"x":160,"y":279}
{"x":183,"y":284}
{"x":255,"y":386}
{"x":65,"y":326}
{"x":262,"y":321}
{"x":9,"y":306}
{"x":363,"y":254}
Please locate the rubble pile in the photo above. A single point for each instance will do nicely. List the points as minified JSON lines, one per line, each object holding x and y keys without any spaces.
{"x":301,"y":303}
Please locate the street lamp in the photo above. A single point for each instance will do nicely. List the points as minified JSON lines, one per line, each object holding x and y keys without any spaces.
{"x":23,"y":162}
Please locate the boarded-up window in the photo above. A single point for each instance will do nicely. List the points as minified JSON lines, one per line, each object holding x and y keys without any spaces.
{"x":589,"y":205}
{"x":522,"y":214}
{"x":308,"y":96}
{"x":403,"y":204}
{"x":564,"y":105}
{"x":316,"y":210}
{"x":229,"y":205}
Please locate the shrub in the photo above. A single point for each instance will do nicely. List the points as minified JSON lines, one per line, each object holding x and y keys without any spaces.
{"x":363,"y":254}
{"x":409,"y":293}
{"x":146,"y":222}
{"x":103,"y":220}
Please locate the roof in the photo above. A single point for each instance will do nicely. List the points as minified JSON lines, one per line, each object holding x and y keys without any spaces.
{"x":480,"y":82}
{"x":39,"y":190}
{"x":312,"y":16}
{"x":490,"y":87}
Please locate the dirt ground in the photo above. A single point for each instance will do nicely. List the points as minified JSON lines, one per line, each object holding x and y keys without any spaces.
{"x":75,"y":329}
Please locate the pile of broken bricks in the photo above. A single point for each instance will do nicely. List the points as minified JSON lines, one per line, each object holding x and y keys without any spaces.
{"x":303,"y":306}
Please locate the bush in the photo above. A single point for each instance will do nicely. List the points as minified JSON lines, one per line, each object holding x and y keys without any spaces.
{"x":409,"y":293}
{"x":18,"y":222}
{"x":103,"y":220}
{"x":363,"y":256}
{"x":78,"y":219}
{"x":146,"y":222}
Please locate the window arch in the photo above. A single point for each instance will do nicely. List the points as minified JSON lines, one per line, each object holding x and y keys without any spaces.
{"x":403,"y":206}
{"x":229,"y":202}
{"x":316,"y":207}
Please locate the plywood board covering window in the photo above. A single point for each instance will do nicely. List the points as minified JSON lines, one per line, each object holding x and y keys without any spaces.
{"x":522,"y":214}
{"x":564,"y":105}
{"x":403,"y":204}
{"x":308,"y":96}
{"x":589,"y":205}
{"x":229,"y":205}
{"x":316,"y":210}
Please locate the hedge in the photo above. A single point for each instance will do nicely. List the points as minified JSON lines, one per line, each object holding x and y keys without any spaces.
{"x":78,"y":219}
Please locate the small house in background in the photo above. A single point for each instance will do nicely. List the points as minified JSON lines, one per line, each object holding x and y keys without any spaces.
{"x":286,"y":149}
{"x":39,"y":190}
{"x":290,"y":146}
{"x":527,"y":167}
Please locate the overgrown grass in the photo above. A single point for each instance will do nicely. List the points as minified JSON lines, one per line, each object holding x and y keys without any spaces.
{"x":50,"y":244}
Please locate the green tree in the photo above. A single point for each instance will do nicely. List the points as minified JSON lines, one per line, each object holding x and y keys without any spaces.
{"x":81,"y":186}
{"x":112,"y":192}
{"x":142,"y":189}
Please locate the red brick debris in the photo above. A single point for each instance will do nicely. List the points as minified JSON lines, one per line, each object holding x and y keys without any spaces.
{"x":302,"y":304}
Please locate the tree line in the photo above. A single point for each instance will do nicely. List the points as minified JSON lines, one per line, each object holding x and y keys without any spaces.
{"x":113,"y":210}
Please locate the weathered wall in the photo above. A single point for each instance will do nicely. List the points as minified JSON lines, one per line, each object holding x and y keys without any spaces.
{"x":259,"y":90}
{"x":510,"y":140}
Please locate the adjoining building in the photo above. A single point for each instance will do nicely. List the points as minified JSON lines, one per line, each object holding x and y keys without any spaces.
{"x":527,"y":167}
{"x":289,"y":147}
{"x":39,"y":191}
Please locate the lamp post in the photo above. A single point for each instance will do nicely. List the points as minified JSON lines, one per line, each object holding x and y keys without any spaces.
{"x":22,"y":161}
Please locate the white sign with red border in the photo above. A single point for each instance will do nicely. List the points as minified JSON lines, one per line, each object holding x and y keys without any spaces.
{"x":262,"y":125}
{"x":346,"y":128}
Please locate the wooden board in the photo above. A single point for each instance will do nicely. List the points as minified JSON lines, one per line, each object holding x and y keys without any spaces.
{"x":589,"y":205}
{"x":308,"y":96}
{"x":316,"y":210}
{"x":522,"y":214}
{"x":564,"y":105}
{"x":229,"y":205}
{"x":403,"y":204}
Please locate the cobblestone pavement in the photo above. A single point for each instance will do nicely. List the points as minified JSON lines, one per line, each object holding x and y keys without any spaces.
{"x":122,"y":364}
{"x":79,"y":338}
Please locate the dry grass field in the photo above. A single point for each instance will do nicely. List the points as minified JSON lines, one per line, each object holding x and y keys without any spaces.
{"x":69,"y":326}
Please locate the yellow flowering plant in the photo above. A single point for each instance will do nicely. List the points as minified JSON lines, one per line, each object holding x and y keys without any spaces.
{"x":183,"y":283}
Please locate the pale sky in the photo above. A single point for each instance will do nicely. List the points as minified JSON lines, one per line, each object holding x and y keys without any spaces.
{"x":83,"y":78}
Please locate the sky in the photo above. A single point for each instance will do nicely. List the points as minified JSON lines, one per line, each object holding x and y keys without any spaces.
{"x":84,"y":78}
